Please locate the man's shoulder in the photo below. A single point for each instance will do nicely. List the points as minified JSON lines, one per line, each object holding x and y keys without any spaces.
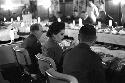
{"x":29,"y":40}
{"x":77,"y":51}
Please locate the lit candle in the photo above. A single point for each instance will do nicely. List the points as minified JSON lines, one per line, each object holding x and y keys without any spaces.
{"x":59,"y":20}
{"x":39,"y":19}
{"x":80,"y":22}
{"x":11,"y":19}
{"x":99,"y":24}
{"x":18,"y":18}
{"x":110,"y":22}
{"x":73,"y":22}
{"x":4,"y":19}
{"x":22,"y":24}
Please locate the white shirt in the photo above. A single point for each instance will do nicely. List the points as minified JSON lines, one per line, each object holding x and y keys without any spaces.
{"x":93,"y":12}
{"x":123,"y":13}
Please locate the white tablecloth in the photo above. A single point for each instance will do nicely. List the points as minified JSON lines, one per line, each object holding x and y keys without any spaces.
{"x":110,"y":38}
{"x":101,"y":37}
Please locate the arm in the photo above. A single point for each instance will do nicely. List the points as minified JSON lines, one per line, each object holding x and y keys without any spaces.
{"x":96,"y":12}
{"x":48,"y":52}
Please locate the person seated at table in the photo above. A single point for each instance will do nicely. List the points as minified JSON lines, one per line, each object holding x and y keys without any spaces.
{"x":52,"y":18}
{"x":26,"y":10}
{"x":85,"y":18}
{"x":52,"y":48}
{"x":104,"y":18}
{"x":100,"y":5}
{"x":33,"y":46}
{"x":75,"y":17}
{"x":68,"y":19}
{"x":61,"y":16}
{"x":81,"y":61}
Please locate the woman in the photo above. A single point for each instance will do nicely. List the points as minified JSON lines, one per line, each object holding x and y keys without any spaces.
{"x":52,"y":48}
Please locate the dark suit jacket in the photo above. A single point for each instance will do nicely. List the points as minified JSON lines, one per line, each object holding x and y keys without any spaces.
{"x":54,"y":19}
{"x":53,"y":50}
{"x":75,"y":18}
{"x":33,"y":46}
{"x":84,"y":64}
{"x":88,"y":20}
{"x":106,"y":20}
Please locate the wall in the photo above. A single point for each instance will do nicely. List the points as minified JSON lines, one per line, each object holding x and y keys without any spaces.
{"x":66,"y":8}
{"x":42,"y":12}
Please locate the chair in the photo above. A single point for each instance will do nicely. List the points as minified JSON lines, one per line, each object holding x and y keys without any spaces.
{"x":47,"y":67}
{"x":2,"y":79}
{"x":56,"y":77}
{"x":13,"y":62}
{"x":45,"y":63}
{"x":22,"y":56}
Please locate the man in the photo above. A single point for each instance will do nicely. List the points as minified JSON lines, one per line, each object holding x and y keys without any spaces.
{"x":92,"y":11}
{"x":61,"y":16}
{"x":100,"y":5}
{"x":104,"y":18}
{"x":33,"y":46}
{"x":58,"y":15}
{"x":75,"y":17}
{"x":26,"y":9}
{"x":81,"y":61}
{"x":85,"y":18}
{"x":52,"y":18}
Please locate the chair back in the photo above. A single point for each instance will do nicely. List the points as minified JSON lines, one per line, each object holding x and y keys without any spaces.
{"x":6,"y":55}
{"x":22,"y":56}
{"x":45,"y":63}
{"x":56,"y":77}
{"x":47,"y":67}
{"x":9,"y":55}
{"x":2,"y":79}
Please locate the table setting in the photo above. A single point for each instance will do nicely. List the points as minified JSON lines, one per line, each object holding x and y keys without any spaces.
{"x":111,"y":59}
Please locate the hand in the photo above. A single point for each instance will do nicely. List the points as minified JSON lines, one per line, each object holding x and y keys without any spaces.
{"x":106,"y":59}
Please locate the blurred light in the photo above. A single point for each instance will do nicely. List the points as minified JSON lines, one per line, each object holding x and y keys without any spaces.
{"x":9,"y":5}
{"x":38,"y":19}
{"x":59,"y":20}
{"x":44,"y":3}
{"x":116,"y":2}
{"x":122,"y":2}
{"x":18,"y":18}
{"x":4,"y":19}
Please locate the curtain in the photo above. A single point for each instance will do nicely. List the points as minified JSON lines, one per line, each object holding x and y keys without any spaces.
{"x":79,"y":5}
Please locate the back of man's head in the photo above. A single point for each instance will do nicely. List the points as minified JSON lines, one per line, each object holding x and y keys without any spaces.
{"x":87,"y":33}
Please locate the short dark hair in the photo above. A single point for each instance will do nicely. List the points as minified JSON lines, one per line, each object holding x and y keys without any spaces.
{"x":55,"y":28}
{"x":102,"y":1}
{"x":92,"y":1}
{"x":34,"y":27}
{"x":87,"y":32}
